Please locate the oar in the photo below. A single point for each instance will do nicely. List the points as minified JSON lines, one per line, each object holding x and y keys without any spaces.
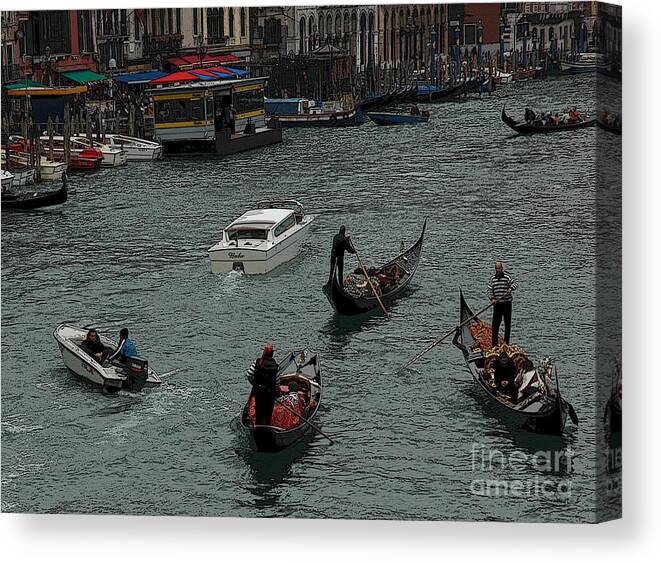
{"x":567,"y":404}
{"x":383,"y":308}
{"x":450,"y":333}
{"x":306,"y":421}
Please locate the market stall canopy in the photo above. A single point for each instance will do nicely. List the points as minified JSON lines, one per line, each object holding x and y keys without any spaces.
{"x":175,"y":77}
{"x":139,"y":77}
{"x":27,"y":83}
{"x":186,"y":62}
{"x":47,"y":91}
{"x":237,"y":71}
{"x":83,"y":76}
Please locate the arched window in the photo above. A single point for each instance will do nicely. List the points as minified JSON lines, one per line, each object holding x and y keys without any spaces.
{"x":311,"y":32}
{"x":345,"y":28}
{"x":386,"y":23}
{"x":329,"y":25}
{"x":338,"y":24}
{"x":243,"y":22}
{"x":363,"y":37}
{"x":301,"y":36}
{"x":215,"y":24}
{"x":322,"y":27}
{"x":231,"y":30}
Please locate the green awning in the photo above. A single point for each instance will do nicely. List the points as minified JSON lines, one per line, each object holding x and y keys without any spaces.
{"x":23,"y":84}
{"x":83,"y":76}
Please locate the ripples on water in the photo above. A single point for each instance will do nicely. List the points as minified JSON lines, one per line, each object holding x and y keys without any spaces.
{"x":129,"y":248}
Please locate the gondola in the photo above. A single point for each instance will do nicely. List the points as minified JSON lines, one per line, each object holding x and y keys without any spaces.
{"x":304,"y":368}
{"x":543,"y":413}
{"x":34,"y":200}
{"x":389,"y":118}
{"x":523,"y":127}
{"x":346,"y":303}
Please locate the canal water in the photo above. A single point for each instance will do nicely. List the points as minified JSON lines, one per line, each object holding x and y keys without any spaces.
{"x":129,"y":249}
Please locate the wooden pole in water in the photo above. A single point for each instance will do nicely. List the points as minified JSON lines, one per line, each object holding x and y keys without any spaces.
{"x":50,"y":139}
{"x":88,"y":127}
{"x":67,"y":140}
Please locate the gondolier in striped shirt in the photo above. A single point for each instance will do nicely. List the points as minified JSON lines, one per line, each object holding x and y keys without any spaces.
{"x":499,"y":292}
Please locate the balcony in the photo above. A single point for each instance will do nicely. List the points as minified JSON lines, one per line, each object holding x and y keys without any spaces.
{"x":161,"y":44}
{"x":217,"y":40}
{"x":10,"y":72}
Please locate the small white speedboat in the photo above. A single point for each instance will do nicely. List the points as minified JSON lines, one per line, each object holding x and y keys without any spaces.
{"x":111,"y":377}
{"x":112,"y":156}
{"x":136,"y":149}
{"x":7,"y":179}
{"x":261,"y":239}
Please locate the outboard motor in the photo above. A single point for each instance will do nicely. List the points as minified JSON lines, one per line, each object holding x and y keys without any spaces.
{"x":238,"y":267}
{"x":137,"y":370}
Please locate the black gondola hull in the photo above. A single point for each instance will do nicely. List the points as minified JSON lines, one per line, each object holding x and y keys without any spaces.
{"x":346,"y":304}
{"x":550,"y":419}
{"x":528,"y":129}
{"x":34,"y":200}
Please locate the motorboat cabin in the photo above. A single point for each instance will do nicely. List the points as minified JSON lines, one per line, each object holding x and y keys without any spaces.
{"x":261,"y":239}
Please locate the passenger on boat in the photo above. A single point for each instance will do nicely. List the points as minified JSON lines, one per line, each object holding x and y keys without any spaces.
{"x":341,"y":243}
{"x":529,"y":115}
{"x":125,"y":349}
{"x":93,"y":346}
{"x":415,"y":110}
{"x":292,"y":399}
{"x":574,"y":116}
{"x":499,"y":291}
{"x":264,"y":385}
{"x":504,"y":371}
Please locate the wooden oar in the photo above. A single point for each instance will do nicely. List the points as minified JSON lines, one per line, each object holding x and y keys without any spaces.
{"x":306,"y":421}
{"x":362,"y":267}
{"x":450,"y":333}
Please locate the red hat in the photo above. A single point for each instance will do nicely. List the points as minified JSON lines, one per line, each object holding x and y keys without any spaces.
{"x":268,"y":350}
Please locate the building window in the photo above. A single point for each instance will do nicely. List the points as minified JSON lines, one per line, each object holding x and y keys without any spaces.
{"x":469,"y":34}
{"x":85,"y":31}
{"x":195,"y":28}
{"x":231,"y":30}
{"x":136,"y":25}
{"x":243,"y":22}
{"x":215,"y":24}
{"x":178,"y":19}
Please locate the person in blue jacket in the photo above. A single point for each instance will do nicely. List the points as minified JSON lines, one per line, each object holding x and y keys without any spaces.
{"x":125,"y":349}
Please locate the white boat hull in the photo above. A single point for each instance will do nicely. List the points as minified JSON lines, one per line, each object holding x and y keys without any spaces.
{"x":113,"y":158}
{"x":136,"y":149}
{"x":52,"y":171}
{"x":78,"y":362}
{"x":258,"y":261}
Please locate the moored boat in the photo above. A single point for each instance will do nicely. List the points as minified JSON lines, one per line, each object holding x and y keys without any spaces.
{"x":136,"y":149}
{"x":134,"y":376}
{"x":261,"y":239}
{"x":6,"y":179}
{"x":286,"y":428}
{"x":544,"y":411}
{"x":34,"y":200}
{"x":81,"y":157}
{"x":301,"y":112}
{"x":112,"y":155}
{"x":388,"y":118}
{"x":526,"y":127}
{"x":355,"y":298}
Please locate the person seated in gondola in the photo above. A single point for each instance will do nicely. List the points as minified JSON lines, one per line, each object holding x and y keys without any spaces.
{"x":293,"y":399}
{"x":93,"y":346}
{"x":125,"y":349}
{"x":415,"y":110}
{"x":574,"y":115}
{"x":264,"y":385}
{"x":504,"y":371}
{"x":529,"y":115}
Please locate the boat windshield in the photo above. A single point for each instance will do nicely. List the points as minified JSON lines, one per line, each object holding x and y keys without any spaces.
{"x":244,"y":233}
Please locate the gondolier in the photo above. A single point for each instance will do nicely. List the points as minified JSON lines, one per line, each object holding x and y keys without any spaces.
{"x":499,"y":292}
{"x":341,"y":243}
{"x":264,"y":385}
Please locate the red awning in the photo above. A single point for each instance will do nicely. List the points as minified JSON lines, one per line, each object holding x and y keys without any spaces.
{"x":176,"y":77}
{"x":190,"y":61}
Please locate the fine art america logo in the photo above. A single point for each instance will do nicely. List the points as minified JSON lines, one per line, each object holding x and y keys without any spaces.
{"x":520,"y":474}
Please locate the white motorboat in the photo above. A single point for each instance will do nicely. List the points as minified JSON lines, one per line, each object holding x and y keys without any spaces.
{"x":6,"y":179}
{"x":50,"y":170}
{"x":133,"y":376}
{"x":112,"y":156}
{"x":136,"y":149}
{"x":261,"y":239}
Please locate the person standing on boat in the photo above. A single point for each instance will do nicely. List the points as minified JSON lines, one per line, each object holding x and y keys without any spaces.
{"x":125,"y":349}
{"x":499,"y":292}
{"x":264,"y":385}
{"x":341,"y":243}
